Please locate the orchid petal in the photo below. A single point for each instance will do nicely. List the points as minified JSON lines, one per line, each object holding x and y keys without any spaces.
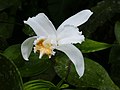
{"x":77,"y":19}
{"x":75,"y":56}
{"x":27,"y":46}
{"x":40,"y":31}
{"x":70,"y":34}
{"x":41,"y":25}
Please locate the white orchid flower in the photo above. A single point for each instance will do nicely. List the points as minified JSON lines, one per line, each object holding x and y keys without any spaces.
{"x":48,"y":38}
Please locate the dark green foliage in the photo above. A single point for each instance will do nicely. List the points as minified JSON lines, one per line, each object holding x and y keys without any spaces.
{"x":7,"y":17}
{"x":114,"y":60}
{"x":39,"y":85}
{"x":117,"y":31}
{"x":102,"y":32}
{"x":27,"y":68}
{"x":103,"y":12}
{"x":95,"y":76}
{"x":10,"y":78}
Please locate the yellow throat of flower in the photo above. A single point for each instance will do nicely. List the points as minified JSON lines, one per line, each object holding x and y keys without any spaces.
{"x":43,"y":46}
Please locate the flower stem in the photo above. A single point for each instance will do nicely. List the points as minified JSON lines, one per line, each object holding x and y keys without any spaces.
{"x":60,"y":83}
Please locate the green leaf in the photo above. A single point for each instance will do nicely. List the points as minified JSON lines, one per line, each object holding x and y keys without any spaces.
{"x":92,"y":46}
{"x":95,"y":75}
{"x":10,"y":78}
{"x":117,"y":31}
{"x":81,"y":89}
{"x":48,"y":74}
{"x":65,"y":86}
{"x":114,"y":60}
{"x":32,"y":67}
{"x":14,"y":54}
{"x":38,"y":85}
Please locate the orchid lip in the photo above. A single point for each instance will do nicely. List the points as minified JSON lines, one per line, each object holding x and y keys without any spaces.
{"x":43,"y":46}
